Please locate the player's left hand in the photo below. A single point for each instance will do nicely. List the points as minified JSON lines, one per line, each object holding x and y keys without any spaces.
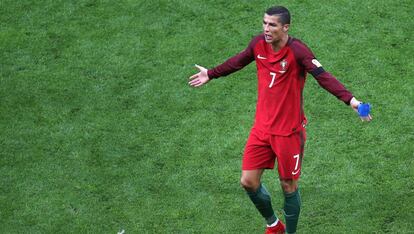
{"x":354,"y":104}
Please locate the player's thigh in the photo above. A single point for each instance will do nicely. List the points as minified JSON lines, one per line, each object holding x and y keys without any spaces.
{"x":258,"y":153}
{"x":289,"y":151}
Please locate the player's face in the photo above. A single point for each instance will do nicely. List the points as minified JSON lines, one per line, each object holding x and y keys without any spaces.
{"x":273,"y":29}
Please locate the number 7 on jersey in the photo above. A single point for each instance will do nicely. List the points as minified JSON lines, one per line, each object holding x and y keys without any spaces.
{"x":273,"y":74}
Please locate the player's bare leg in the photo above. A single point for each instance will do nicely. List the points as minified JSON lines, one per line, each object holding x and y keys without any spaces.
{"x":250,"y":181}
{"x":289,"y":186}
{"x":292,"y":204}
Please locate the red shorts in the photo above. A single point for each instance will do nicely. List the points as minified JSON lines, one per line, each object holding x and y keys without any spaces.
{"x":262,"y":149}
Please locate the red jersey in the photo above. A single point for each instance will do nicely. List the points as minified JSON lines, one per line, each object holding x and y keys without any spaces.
{"x":281,"y":79}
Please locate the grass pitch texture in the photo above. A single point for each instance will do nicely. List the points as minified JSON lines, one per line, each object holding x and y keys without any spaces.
{"x":100,"y":132}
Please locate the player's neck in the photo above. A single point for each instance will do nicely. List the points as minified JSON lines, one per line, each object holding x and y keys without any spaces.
{"x":278,"y":45}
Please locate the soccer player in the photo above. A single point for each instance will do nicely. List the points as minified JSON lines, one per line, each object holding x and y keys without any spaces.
{"x":278,"y":133}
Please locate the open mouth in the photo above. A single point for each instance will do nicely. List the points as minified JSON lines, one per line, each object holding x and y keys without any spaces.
{"x":268,"y":37}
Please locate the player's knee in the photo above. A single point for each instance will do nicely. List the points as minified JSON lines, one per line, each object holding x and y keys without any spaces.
{"x":289,"y":186}
{"x":249,"y":184}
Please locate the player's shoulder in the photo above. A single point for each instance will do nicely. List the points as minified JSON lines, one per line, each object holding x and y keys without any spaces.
{"x":296,"y":43}
{"x":256,"y":39}
{"x":298,"y":47}
{"x":259,"y":37}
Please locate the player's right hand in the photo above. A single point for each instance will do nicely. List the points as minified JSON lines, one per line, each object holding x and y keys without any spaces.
{"x":200,"y":78}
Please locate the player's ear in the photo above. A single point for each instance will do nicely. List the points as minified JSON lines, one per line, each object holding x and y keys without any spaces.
{"x":285,"y":27}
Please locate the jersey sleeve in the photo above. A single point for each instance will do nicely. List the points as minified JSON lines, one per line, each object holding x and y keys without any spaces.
{"x":234,"y":63}
{"x":306,"y":58}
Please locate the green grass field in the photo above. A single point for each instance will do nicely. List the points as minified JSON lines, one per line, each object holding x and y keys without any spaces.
{"x":99,"y":130}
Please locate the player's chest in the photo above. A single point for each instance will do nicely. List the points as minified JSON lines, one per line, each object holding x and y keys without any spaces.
{"x":280,"y":62}
{"x":275,"y":69}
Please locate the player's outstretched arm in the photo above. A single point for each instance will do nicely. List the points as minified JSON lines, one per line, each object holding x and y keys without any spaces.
{"x":354,"y":104}
{"x":199,"y":79}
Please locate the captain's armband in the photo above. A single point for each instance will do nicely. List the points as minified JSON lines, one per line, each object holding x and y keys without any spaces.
{"x":317,"y":71}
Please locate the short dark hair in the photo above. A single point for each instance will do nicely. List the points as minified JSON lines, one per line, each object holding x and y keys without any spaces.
{"x":280,"y":11}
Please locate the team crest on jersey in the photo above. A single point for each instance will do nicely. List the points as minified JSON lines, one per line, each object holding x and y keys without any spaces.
{"x":283,"y":66}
